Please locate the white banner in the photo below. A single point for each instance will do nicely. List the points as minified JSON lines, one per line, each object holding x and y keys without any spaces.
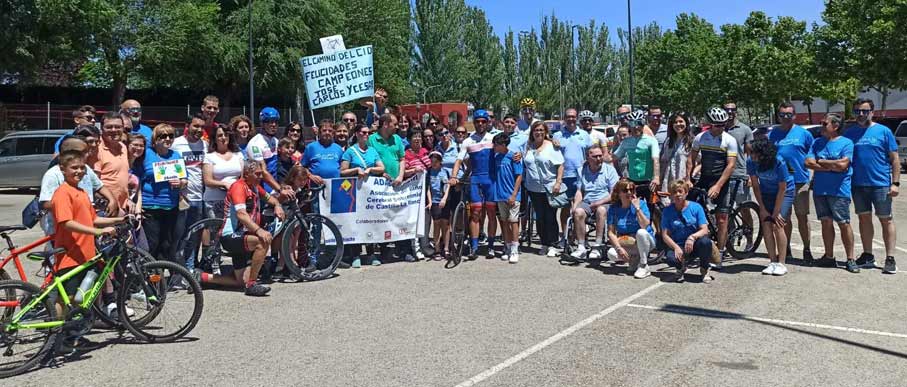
{"x":338,"y":77}
{"x":373,"y":210}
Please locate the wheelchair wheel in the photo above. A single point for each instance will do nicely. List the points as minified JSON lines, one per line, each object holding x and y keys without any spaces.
{"x":570,"y":243}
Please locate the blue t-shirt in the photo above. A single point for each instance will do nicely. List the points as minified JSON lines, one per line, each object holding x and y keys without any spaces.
{"x":871,"y":147}
{"x":518,"y":142}
{"x":625,"y":218}
{"x":145,"y":131}
{"x":437,"y":180}
{"x":504,"y":176}
{"x":157,"y":195}
{"x":323,"y":161}
{"x":355,"y":156}
{"x":683,"y":224}
{"x":60,"y":141}
{"x":793,"y":146}
{"x":827,"y":183}
{"x":573,"y":146}
{"x":596,"y":186}
{"x":769,"y":179}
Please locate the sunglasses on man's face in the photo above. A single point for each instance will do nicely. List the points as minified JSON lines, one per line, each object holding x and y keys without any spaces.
{"x":730,"y":110}
{"x":349,"y":120}
{"x":134,"y":110}
{"x":88,"y":117}
{"x":861,"y":112}
{"x":654,"y":116}
{"x":786,"y":116}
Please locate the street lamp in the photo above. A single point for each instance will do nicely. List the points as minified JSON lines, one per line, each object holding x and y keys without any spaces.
{"x":630,"y":38}
{"x":251,"y":72}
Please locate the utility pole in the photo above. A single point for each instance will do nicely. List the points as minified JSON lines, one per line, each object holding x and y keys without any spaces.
{"x":630,"y":38}
{"x":251,"y":73}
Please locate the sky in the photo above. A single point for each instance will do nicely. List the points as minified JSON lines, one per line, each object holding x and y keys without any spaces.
{"x":520,"y":15}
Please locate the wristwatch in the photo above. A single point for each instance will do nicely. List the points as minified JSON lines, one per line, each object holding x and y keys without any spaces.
{"x":896,"y":184}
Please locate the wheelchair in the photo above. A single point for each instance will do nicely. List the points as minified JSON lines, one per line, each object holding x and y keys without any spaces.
{"x":571,"y":243}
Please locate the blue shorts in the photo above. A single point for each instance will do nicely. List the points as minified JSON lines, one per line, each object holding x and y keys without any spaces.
{"x":834,"y":207}
{"x":787,"y":204}
{"x":481,"y":190}
{"x":865,"y":198}
{"x":570,"y":184}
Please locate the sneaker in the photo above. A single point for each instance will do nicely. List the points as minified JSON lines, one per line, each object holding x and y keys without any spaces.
{"x":505,"y":256}
{"x":178,"y":283}
{"x":473,"y":255}
{"x":312,"y":266}
{"x":357,"y":263}
{"x":112,"y":311}
{"x":595,"y":254}
{"x":514,"y":258}
{"x":579,"y":253}
{"x":257,"y":290}
{"x":852,"y":266}
{"x":375,"y":261}
{"x":867,"y":261}
{"x":826,"y":262}
{"x":344,"y":265}
{"x":409,"y":258}
{"x":704,"y":272}
{"x":780,"y":270}
{"x":553,"y":251}
{"x":641,"y":272}
{"x":891,"y":266}
{"x":680,"y":273}
{"x":542,"y":250}
{"x":808,"y":258}
{"x":419,"y":255}
{"x":491,"y":253}
{"x":770,"y":269}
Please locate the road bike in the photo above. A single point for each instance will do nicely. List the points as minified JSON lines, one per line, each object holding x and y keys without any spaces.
{"x":30,"y":326}
{"x":310,"y":243}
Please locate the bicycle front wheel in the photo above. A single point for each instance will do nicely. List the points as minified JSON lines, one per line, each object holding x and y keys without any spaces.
{"x":457,"y":236}
{"x":744,"y":230}
{"x":312,"y":249}
{"x":111,"y":321}
{"x":173,"y":313}
{"x":200,"y":247}
{"x":20,"y":350}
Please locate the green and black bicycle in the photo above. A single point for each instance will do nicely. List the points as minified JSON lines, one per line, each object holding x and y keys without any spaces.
{"x":30,"y":326}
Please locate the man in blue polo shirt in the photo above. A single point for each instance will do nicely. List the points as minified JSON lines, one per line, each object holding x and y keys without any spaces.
{"x":322,"y":157}
{"x":793,"y":144}
{"x":573,"y":144}
{"x":876,"y":180}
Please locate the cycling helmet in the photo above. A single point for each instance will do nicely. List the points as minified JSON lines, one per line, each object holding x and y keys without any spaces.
{"x":527,"y":103}
{"x":481,"y":113}
{"x":269,"y":114}
{"x":586,"y":114}
{"x":636,"y":118}
{"x":717,"y":115}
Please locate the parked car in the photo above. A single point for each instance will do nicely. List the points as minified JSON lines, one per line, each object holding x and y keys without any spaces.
{"x":815,"y":130}
{"x":901,"y":135}
{"x":24,"y":157}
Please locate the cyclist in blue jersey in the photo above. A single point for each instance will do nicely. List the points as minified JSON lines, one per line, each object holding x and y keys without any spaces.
{"x":263,"y":147}
{"x":478,"y":150}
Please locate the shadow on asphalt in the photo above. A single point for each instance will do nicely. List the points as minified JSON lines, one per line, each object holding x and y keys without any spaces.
{"x":718,"y":314}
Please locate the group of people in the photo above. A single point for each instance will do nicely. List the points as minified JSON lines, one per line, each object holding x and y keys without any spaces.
{"x":501,"y":169}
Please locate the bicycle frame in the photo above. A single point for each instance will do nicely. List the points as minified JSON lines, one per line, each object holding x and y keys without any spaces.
{"x":15,"y":252}
{"x":57,"y":285}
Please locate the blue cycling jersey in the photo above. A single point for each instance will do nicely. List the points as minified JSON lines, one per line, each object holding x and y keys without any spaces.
{"x":479,"y":150}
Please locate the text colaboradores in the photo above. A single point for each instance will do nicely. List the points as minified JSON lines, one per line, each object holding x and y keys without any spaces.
{"x":343,"y":76}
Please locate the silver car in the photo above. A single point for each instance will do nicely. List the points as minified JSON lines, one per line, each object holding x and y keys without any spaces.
{"x":24,"y":157}
{"x":901,"y":135}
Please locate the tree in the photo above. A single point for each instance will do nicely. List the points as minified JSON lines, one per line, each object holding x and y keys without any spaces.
{"x":511,"y":97}
{"x":439,"y":63}
{"x":866,"y":40}
{"x":484,"y":75}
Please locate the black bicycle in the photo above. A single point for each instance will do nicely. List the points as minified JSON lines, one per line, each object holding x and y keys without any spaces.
{"x":459,"y":228}
{"x":744,"y":231}
{"x":311,"y":244}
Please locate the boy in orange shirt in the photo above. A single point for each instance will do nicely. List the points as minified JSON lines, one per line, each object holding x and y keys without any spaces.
{"x":76,"y":220}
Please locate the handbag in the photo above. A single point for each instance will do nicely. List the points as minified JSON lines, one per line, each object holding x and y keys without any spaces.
{"x":32,"y":213}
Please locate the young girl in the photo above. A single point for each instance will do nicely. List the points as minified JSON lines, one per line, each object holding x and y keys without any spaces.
{"x":437,"y":199}
{"x":773,"y":186}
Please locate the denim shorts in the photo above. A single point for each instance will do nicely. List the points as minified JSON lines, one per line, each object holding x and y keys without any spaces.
{"x":867,"y":198}
{"x":787,"y":203}
{"x":834,"y":207}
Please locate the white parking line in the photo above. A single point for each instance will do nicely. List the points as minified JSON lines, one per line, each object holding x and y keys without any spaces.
{"x":771,"y":320}
{"x":557,"y":337}
{"x":877,"y":242}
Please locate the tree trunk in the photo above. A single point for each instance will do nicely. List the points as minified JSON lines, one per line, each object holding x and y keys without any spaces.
{"x":119,"y":88}
{"x":809,"y":111}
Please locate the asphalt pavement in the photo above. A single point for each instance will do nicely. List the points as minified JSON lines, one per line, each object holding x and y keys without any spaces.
{"x":536,"y":323}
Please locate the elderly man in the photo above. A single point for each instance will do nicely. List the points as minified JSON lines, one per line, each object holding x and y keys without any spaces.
{"x":594,"y":184}
{"x":134,"y":109}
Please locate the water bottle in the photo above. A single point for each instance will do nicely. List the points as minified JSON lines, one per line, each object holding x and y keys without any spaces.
{"x":85,"y":286}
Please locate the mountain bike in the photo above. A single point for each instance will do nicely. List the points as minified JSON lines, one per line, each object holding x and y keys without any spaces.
{"x":311,"y":243}
{"x":30,"y":326}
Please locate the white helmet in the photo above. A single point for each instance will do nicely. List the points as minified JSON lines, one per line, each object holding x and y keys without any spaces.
{"x":636,"y":118}
{"x":586,"y":114}
{"x":717,"y":115}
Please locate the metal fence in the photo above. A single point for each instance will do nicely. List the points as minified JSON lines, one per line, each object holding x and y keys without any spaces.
{"x":19,"y":117}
